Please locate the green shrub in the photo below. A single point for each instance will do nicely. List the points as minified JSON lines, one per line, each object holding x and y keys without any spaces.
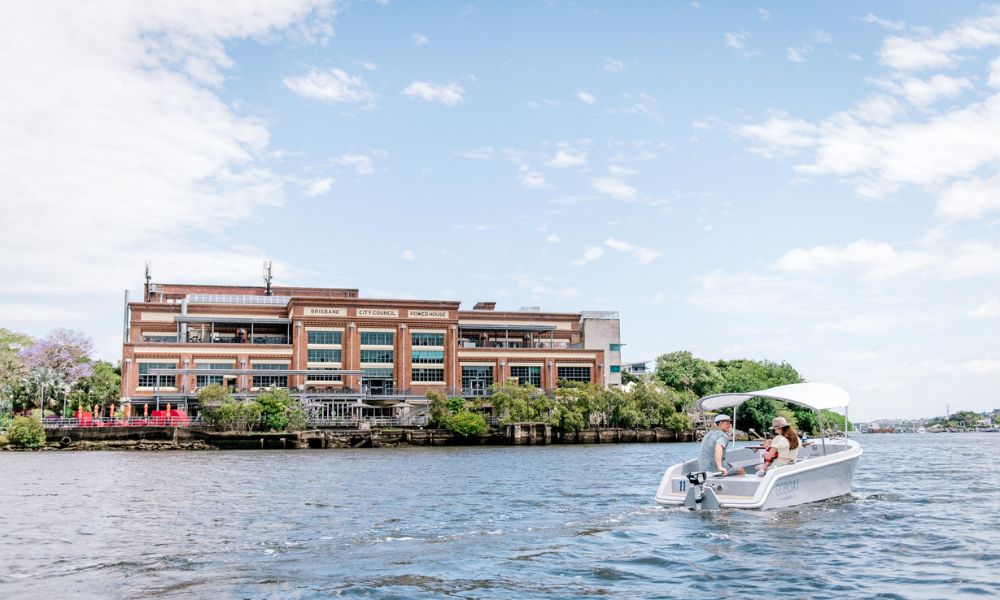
{"x":274,"y":406}
{"x":468,"y":424}
{"x":3,"y":441}
{"x":232,"y":415}
{"x":26,"y":432}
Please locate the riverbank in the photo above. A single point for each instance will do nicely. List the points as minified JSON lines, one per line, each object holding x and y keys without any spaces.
{"x":183,"y":438}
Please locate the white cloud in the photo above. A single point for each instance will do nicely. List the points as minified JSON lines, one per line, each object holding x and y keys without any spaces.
{"x":612,"y":186}
{"x":447,"y":94}
{"x":856,"y":355}
{"x":924,"y":92}
{"x":938,"y":51}
{"x":480,"y":153}
{"x":368,"y":65}
{"x":586,"y":97}
{"x":642,"y":255}
{"x":822,"y":37}
{"x":987,"y":310}
{"x":621,"y":171}
{"x":553,"y":238}
{"x":736,"y":40}
{"x":871,"y":19}
{"x":613,"y":65}
{"x":126,"y":129}
{"x":781,"y":135}
{"x":530,"y":178}
{"x":362,"y":163}
{"x":334,"y":85}
{"x":643,"y":105}
{"x":567,"y":158}
{"x":408,"y":254}
{"x":319,"y":187}
{"x":764,"y":14}
{"x":973,"y":366}
{"x":860,"y":324}
{"x":876,"y":259}
{"x":590,"y":254}
{"x":970,"y":199}
{"x":798,"y":54}
{"x":994,"y":78}
{"x":420,"y":40}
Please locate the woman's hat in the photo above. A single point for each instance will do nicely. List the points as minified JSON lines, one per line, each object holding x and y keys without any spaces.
{"x":779,"y":422}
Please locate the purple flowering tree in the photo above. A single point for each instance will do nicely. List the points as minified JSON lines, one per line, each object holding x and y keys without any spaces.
{"x":65,"y":351}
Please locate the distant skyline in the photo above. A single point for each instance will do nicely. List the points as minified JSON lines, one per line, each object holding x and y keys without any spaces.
{"x":814,"y":183}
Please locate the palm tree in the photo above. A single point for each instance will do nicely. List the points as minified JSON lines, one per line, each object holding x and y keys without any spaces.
{"x":45,"y":381}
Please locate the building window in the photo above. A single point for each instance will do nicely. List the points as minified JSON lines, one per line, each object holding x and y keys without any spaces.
{"x":581,"y":374}
{"x":476,"y":381}
{"x":324,"y":356}
{"x":376,"y":338}
{"x":160,"y":338}
{"x":427,"y":375}
{"x":147,"y":380}
{"x":428,"y":357}
{"x":203,"y":380}
{"x":263,"y":381}
{"x":532,"y":375}
{"x":311,"y":377}
{"x":616,"y":347}
{"x":324,"y":337}
{"x":427,"y":339}
{"x":376,"y":356}
{"x":616,"y":368}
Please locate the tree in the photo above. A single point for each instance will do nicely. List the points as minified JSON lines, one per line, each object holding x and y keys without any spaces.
{"x":516,"y":403}
{"x":468,"y":424}
{"x":683,"y":372}
{"x":213,"y":395}
{"x":440,"y":414}
{"x":275,"y":405}
{"x":65,"y":351}
{"x":26,"y":432}
{"x":746,"y":375}
{"x":45,"y":383}
{"x":102,"y":387}
{"x":233,"y":415}
{"x":12,"y":368}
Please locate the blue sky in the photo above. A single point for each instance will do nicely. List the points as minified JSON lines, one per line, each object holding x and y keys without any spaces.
{"x":810,"y":182}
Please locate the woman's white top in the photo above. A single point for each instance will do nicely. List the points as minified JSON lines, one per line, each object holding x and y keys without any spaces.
{"x":785,"y":452}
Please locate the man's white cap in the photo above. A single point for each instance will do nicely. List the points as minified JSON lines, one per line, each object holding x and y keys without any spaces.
{"x":722,"y":417}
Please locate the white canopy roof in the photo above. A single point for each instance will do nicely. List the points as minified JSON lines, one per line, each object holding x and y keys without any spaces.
{"x":816,"y":396}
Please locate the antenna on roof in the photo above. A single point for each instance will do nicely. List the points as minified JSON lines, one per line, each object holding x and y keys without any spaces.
{"x":148,"y":278}
{"x":267,"y":278}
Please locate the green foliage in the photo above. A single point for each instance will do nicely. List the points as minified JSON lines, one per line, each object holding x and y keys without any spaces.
{"x":746,"y":375}
{"x":26,"y":432}
{"x":682,"y":371}
{"x":213,"y":395}
{"x":233,"y":415}
{"x":468,"y":424}
{"x":102,"y":387}
{"x":515,"y":403}
{"x":274,"y":406}
{"x":440,"y":413}
{"x":296,"y":419}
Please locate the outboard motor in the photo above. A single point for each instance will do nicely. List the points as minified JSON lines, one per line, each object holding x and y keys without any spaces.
{"x":699,"y":495}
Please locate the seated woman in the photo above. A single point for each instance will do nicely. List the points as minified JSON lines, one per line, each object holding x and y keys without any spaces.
{"x":783,"y":449}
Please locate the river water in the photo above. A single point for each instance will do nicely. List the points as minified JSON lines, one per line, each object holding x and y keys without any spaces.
{"x":526,"y":522}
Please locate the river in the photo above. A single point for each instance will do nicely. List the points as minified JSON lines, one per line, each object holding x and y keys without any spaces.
{"x":487,"y":522}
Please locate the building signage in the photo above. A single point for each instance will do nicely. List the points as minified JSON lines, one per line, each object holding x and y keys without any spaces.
{"x":324,"y":311}
{"x":378,"y":312}
{"x":428,"y":314}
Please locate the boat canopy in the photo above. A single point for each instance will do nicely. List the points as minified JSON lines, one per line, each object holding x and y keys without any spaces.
{"x":816,"y":396}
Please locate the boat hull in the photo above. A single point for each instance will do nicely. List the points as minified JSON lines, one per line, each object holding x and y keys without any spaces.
{"x":818,"y":478}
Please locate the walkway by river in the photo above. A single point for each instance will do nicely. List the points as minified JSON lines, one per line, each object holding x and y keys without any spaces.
{"x":494,"y":522}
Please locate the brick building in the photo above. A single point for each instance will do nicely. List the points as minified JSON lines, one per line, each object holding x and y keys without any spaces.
{"x":333,"y":348}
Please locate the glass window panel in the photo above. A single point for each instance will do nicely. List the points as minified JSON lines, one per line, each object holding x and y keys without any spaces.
{"x":376,"y":356}
{"x":581,"y":374}
{"x":324,"y":337}
{"x":427,"y":339}
{"x":324,"y":355}
{"x":376,"y":338}
{"x":428,"y":357}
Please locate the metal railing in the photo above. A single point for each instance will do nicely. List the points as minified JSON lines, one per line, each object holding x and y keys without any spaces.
{"x":56,"y":423}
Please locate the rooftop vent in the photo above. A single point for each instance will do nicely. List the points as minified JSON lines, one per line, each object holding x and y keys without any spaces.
{"x":484,"y":306}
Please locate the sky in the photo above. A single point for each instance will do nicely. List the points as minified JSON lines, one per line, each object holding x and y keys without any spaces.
{"x":807,"y":182}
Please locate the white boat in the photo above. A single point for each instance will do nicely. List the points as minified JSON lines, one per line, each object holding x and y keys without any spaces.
{"x":824,"y":468}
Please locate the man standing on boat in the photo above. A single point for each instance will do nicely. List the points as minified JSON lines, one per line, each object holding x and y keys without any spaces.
{"x":713,"y":448}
